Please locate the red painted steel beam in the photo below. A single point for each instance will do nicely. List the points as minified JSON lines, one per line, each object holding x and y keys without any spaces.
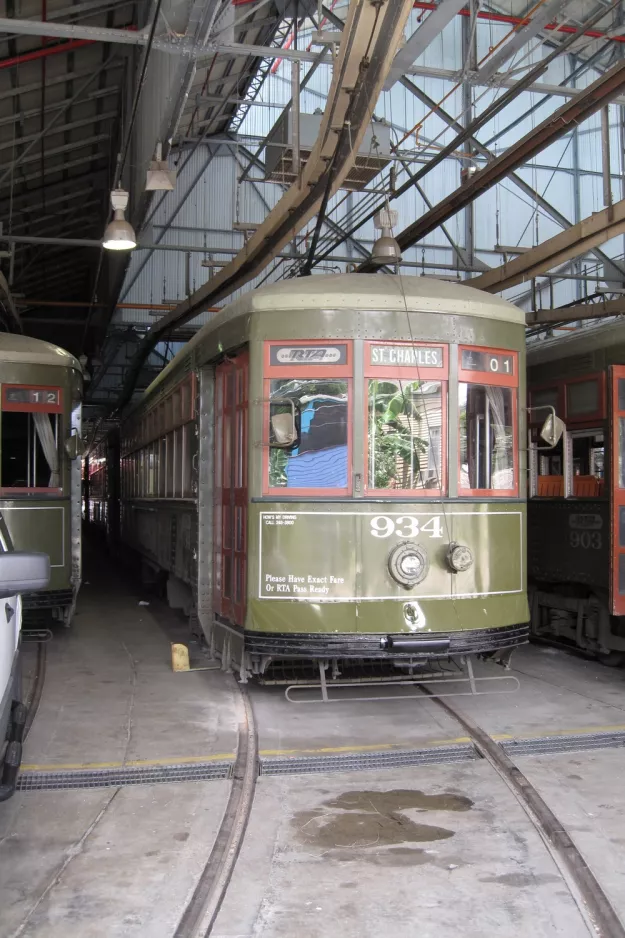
{"x":520,"y":21}
{"x":44,"y":52}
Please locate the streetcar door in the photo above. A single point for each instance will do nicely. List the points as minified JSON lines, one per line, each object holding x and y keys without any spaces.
{"x":230,"y":545}
{"x":617,"y":489}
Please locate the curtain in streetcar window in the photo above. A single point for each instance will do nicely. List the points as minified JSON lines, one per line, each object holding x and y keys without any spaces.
{"x":486,"y":437}
{"x":621,"y":452}
{"x":404,"y":434}
{"x":319,"y":458}
{"x":30,"y":450}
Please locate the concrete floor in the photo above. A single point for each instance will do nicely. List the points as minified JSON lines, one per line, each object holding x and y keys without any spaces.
{"x":559,"y":692}
{"x":436,"y":850}
{"x":110,"y":695}
{"x":104,"y":863}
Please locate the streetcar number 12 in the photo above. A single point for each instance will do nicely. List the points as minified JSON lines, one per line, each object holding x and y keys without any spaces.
{"x":405,"y":526}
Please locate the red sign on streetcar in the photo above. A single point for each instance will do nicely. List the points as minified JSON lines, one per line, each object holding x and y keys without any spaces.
{"x":31,"y":398}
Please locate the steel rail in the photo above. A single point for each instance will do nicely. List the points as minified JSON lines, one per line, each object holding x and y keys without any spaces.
{"x":201,"y":912}
{"x":587,"y":891}
{"x":34,"y":696}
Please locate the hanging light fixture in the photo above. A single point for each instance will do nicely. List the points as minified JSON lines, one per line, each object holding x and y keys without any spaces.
{"x":119,"y":234}
{"x":386,"y":250}
{"x":160,"y":178}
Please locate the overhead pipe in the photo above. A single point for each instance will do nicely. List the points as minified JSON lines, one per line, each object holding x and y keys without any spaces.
{"x":45,"y":52}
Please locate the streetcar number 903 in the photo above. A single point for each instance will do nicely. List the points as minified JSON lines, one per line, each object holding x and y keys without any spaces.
{"x":587,"y":540}
{"x":406,"y":526}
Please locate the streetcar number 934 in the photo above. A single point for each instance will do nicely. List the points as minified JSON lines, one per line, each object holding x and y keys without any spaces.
{"x":406,"y":526}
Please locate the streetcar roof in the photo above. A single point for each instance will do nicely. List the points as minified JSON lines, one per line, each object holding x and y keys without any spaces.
{"x":591,"y":338}
{"x":359,"y":291}
{"x":23,"y":348}
{"x":374,"y":291}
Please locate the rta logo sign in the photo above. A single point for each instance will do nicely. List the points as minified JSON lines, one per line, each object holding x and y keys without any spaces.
{"x":325,"y":355}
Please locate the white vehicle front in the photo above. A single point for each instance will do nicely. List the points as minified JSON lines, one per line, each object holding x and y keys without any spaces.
{"x":19,"y":572}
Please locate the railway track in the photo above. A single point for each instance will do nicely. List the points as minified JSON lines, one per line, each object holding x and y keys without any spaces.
{"x":591,"y":900}
{"x":201,"y":912}
{"x":199,"y":916}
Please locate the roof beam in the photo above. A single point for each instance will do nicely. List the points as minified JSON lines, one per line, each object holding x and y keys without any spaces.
{"x":582,"y":237}
{"x":545,"y":14}
{"x":518,"y":181}
{"x":370,"y":36}
{"x":600,"y":310}
{"x":480,"y":148}
{"x":422,"y":37}
{"x":35,"y":112}
{"x":58,"y":129}
{"x":57,"y":80}
{"x":578,"y":109}
{"x":49,"y":170}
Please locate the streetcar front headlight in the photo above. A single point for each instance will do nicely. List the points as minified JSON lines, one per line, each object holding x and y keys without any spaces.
{"x":408,"y":564}
{"x":459,"y":557}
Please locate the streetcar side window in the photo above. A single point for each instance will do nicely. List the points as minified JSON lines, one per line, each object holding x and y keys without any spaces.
{"x":405,"y":420}
{"x":159,"y":447}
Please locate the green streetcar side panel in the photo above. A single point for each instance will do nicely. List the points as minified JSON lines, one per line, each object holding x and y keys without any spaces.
{"x":324,"y":569}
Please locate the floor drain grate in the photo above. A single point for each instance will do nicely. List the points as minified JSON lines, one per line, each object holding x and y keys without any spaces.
{"x":550,"y":745}
{"x":359,"y":762}
{"x":129,"y":775}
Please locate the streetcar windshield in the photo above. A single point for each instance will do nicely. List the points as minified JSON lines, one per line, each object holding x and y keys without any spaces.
{"x":405,"y":421}
{"x":30,"y":438}
{"x":319,"y":457}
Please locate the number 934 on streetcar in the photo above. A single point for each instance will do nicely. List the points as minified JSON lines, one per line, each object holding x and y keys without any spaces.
{"x":332,"y":470}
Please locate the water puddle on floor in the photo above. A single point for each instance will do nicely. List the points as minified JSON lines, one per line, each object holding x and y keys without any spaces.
{"x":365,"y":820}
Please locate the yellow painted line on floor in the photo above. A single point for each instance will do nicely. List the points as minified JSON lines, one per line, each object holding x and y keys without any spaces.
{"x":373,"y":747}
{"x":184,"y":760}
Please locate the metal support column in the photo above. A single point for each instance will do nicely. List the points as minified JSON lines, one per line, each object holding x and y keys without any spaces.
{"x":605,"y":155}
{"x":469,"y":49}
{"x":577,"y":202}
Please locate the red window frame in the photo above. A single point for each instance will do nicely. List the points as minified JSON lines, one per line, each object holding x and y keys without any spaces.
{"x":342,"y":370}
{"x":414,"y":373}
{"x":493,"y":379}
{"x":617,"y":494}
{"x":580,"y":421}
{"x":591,"y":418}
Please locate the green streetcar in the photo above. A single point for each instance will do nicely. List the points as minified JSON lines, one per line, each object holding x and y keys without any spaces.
{"x":40,"y":470}
{"x":333,"y":471}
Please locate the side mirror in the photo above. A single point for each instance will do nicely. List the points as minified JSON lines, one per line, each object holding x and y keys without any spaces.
{"x":74,"y":446}
{"x":284,"y":431}
{"x":22,"y":572}
{"x":552,"y":429}
{"x":284,"y":424}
